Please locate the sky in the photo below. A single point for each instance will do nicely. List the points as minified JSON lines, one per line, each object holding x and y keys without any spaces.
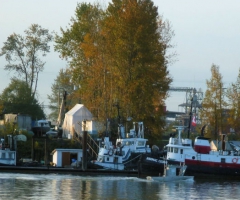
{"x":206,"y":33}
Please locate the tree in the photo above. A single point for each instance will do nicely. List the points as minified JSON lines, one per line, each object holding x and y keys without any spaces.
{"x":120,"y":56}
{"x":62,"y":84}
{"x":134,"y":33}
{"x":16,"y":98}
{"x":22,"y":54}
{"x":213,"y":104}
{"x":233,"y":94}
{"x":86,"y":73}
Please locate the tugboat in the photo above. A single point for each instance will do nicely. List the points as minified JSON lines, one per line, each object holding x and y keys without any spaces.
{"x":129,"y":153}
{"x":202,"y":157}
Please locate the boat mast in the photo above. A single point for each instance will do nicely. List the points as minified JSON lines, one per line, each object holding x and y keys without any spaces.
{"x":119,"y":120}
{"x":190,"y":118}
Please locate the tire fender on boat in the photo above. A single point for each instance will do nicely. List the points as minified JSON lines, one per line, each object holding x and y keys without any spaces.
{"x":235,"y":160}
{"x":119,"y":144}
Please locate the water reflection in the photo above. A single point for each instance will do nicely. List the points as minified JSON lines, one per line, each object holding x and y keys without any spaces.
{"x":53,"y":186}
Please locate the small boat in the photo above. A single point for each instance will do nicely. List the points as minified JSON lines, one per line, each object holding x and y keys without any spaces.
{"x":41,"y":127}
{"x":172,"y":173}
{"x":129,"y":153}
{"x":8,"y":150}
{"x":7,"y":156}
{"x":203,"y":157}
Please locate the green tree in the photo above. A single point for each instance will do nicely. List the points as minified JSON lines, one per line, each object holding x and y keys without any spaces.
{"x":23,"y":54}
{"x":16,"y":98}
{"x":213,"y":104}
{"x":120,"y":56}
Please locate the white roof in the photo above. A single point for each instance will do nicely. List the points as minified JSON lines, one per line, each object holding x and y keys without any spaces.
{"x":74,"y":118}
{"x":66,"y":150}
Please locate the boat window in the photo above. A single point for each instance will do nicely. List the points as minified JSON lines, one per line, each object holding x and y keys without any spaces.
{"x":223,"y":160}
{"x":128,"y":143}
{"x":3,"y":155}
{"x":175,"y":150}
{"x":141,"y":143}
{"x":181,"y":151}
{"x":11,"y":155}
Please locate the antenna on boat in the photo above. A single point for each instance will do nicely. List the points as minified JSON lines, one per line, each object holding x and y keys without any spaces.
{"x":180,"y":129}
{"x":140,"y":130}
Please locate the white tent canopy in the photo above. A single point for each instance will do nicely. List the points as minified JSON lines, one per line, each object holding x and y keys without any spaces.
{"x":74,"y":118}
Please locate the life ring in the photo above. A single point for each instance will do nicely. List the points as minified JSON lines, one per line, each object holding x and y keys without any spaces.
{"x":110,"y":152}
{"x":235,"y":160}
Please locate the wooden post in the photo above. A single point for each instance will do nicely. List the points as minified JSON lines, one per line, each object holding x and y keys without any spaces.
{"x":32,"y":152}
{"x":46,"y":156}
{"x":84,"y":147}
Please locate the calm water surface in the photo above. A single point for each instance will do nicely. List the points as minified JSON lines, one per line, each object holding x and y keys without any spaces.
{"x":53,"y":186}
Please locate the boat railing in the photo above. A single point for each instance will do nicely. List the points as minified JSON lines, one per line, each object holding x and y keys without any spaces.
{"x":93,"y":147}
{"x":186,"y":142}
{"x":174,"y":141}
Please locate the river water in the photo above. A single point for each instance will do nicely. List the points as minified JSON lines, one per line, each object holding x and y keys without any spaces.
{"x":54,"y":186}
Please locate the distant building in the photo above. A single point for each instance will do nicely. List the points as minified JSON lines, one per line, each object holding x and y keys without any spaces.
{"x":22,"y":121}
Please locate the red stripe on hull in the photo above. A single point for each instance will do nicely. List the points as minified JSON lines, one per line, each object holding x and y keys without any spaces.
{"x":211,"y":164}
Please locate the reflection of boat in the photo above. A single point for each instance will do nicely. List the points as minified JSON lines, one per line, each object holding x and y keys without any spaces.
{"x":203,"y":156}
{"x":40,"y":127}
{"x":131,"y":153}
{"x":172,"y":173}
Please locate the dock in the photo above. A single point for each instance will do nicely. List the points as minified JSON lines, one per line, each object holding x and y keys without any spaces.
{"x":73,"y":171}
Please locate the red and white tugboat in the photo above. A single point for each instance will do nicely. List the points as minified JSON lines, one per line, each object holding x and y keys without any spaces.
{"x":202,"y":157}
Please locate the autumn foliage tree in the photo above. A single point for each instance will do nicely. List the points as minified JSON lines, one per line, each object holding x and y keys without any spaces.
{"x":119,"y":56}
{"x":213,"y":104}
{"x":233,"y":94}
